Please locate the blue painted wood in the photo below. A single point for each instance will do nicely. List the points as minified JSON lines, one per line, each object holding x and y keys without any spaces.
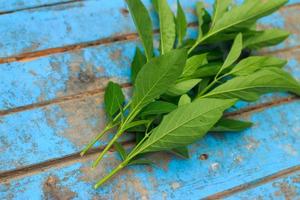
{"x":71,"y":22}
{"x":233,"y":159}
{"x":281,"y":189}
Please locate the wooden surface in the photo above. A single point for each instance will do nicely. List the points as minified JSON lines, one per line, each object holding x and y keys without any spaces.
{"x":57,"y":57}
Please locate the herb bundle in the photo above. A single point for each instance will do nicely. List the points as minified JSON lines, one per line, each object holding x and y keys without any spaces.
{"x":180,"y":93}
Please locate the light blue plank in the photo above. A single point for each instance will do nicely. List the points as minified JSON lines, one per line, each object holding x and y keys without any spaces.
{"x":32,"y":30}
{"x":41,"y":134}
{"x":15,"y":5}
{"x":280,"y":189}
{"x":233,"y":159}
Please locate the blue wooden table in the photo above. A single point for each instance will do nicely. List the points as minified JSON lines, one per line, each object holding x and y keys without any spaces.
{"x":56,"y":57}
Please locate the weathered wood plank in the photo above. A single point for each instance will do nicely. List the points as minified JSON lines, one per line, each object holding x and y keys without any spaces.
{"x":284,"y":188}
{"x":232,"y":159}
{"x":18,"y":5}
{"x":67,"y":74}
{"x":32,"y":30}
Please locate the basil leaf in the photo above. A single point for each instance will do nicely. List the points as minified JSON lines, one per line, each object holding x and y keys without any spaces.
{"x":184,"y":99}
{"x":234,"y":53}
{"x":157,"y":108}
{"x":167,"y":26}
{"x":143,"y":24}
{"x":220,"y":7}
{"x":265,"y":38}
{"x":231,"y":125}
{"x":252,"y":64}
{"x":113,"y":98}
{"x":250,"y":87}
{"x":119,"y":148}
{"x":156,"y":77}
{"x":138,"y":61}
{"x":182,"y":87}
{"x":181,"y":24}
{"x":193,"y":63}
{"x":185,"y":125}
{"x":182,"y":152}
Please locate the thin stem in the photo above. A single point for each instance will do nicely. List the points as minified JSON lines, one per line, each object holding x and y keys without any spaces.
{"x":112,"y":173}
{"x":99,"y":136}
{"x":130,"y":117}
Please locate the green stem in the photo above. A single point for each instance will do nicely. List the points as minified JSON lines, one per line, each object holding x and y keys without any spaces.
{"x":99,"y":136}
{"x":112,"y":173}
{"x":130,"y":117}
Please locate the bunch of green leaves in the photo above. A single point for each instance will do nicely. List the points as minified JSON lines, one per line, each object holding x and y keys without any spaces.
{"x":182,"y":93}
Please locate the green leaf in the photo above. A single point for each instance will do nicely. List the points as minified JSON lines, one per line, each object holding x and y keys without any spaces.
{"x":136,"y":123}
{"x":241,"y":16}
{"x":234,"y":52}
{"x":193,"y":63}
{"x":231,"y":125}
{"x":119,"y":148}
{"x":182,"y":152}
{"x":141,"y":162}
{"x":220,"y":7}
{"x":265,"y":38}
{"x":137,"y":63}
{"x":184,"y":99}
{"x":181,"y":24}
{"x":113,"y":98}
{"x":210,"y":69}
{"x":252,"y":64}
{"x":185,"y":125}
{"x":143,"y":24}
{"x":157,"y":108}
{"x":167,"y":26}
{"x":156,"y":77}
{"x":182,"y":87}
{"x":203,"y":84}
{"x":250,"y":87}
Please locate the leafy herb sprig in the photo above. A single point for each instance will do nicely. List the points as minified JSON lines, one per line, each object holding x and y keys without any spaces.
{"x":181,"y":94}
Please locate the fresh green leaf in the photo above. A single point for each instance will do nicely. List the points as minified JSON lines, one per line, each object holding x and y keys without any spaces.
{"x":156,"y":77}
{"x":252,"y":64}
{"x":167,"y":26}
{"x":250,"y":87}
{"x":234,"y":53}
{"x":119,"y":148}
{"x":141,"y":162}
{"x":136,"y":123}
{"x":113,"y":98}
{"x":185,"y":125}
{"x":138,"y":61}
{"x":143,"y":24}
{"x":203,"y":84}
{"x":181,"y":24}
{"x":220,"y":7}
{"x":265,"y":38}
{"x":210,"y":69}
{"x":184,"y":99}
{"x":242,"y":15}
{"x":182,"y":152}
{"x":157,"y":108}
{"x":193,"y":63}
{"x":231,"y":125}
{"x":182,"y":87}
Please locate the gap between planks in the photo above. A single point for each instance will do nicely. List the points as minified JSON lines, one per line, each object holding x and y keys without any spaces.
{"x":253,"y":184}
{"x":40,"y":6}
{"x":75,"y":157}
{"x":23,"y":57}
